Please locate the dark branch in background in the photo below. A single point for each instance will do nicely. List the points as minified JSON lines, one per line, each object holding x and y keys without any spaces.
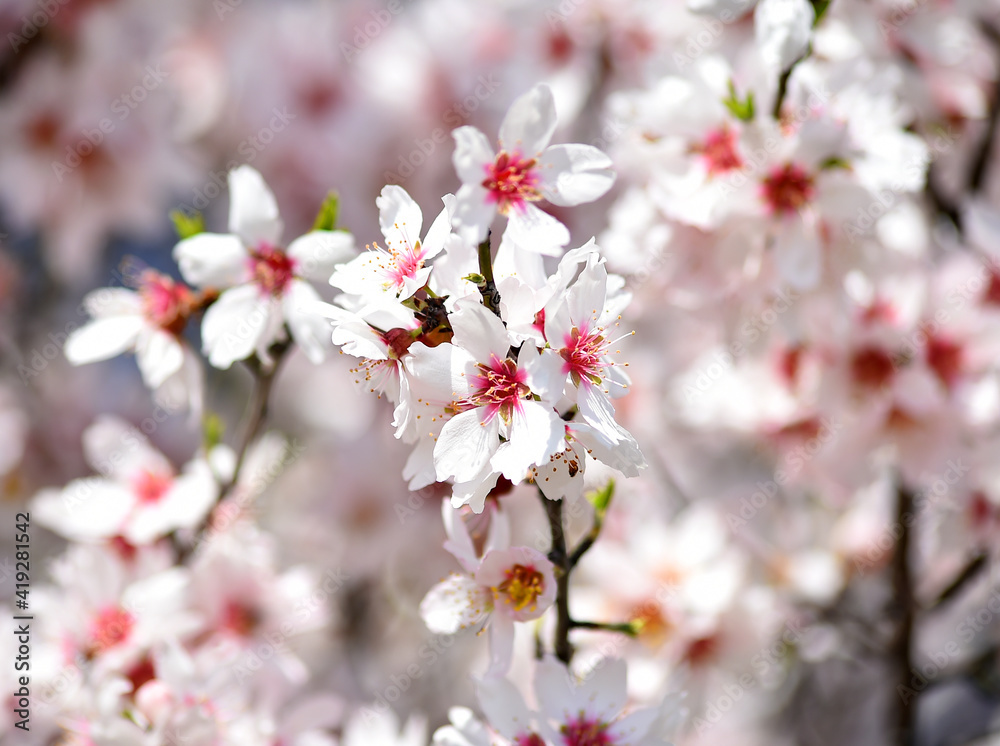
{"x":982,"y":157}
{"x":902,"y":709}
{"x":819,"y":7}
{"x":255,"y":415}
{"x":969,"y":573}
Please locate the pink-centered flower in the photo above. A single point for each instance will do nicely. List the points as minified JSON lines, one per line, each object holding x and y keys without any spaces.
{"x":264,"y":286}
{"x":523,"y":171}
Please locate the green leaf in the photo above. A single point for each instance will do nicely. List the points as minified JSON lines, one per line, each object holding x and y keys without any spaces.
{"x":187,"y":225}
{"x":741,"y":109}
{"x":835,"y":162}
{"x":326,"y":220}
{"x":820,"y":6}
{"x":601,"y":498}
{"x":475,"y":278}
{"x":212,"y":429}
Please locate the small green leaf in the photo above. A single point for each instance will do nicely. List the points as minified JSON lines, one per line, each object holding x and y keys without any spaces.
{"x":212,"y":429}
{"x":187,"y":225}
{"x":475,"y":278}
{"x":820,"y":6}
{"x":601,"y":498}
{"x":835,"y":162}
{"x":741,"y":109}
{"x":326,"y":220}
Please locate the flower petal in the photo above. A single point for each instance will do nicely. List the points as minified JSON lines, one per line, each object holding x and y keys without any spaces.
{"x":159,"y":355}
{"x":530,"y":122}
{"x":317,"y":253}
{"x":456,"y":603}
{"x":253,"y":211}
{"x":465,"y":445}
{"x":536,"y":230}
{"x":575,"y":174}
{"x":399,"y":217}
{"x":309,"y":330}
{"x":213,"y":260}
{"x":472,"y":154}
{"x":102,"y":338}
{"x":233,"y":324}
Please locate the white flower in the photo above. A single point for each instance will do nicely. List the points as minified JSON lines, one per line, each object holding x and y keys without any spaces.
{"x":147,"y":321}
{"x":140,"y":498}
{"x":505,"y":585}
{"x":398,"y":269}
{"x":525,"y":170}
{"x":489,"y":395}
{"x":264,"y":284}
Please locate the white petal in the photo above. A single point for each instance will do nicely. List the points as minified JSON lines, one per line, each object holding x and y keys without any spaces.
{"x":159,"y":355}
{"x":399,"y":214}
{"x":554,"y":690}
{"x":85,"y":509}
{"x":605,"y":689}
{"x":185,"y":505}
{"x":797,"y":252}
{"x":309,"y":330}
{"x":475,"y":491}
{"x":456,"y":603}
{"x":783,"y":29}
{"x":120,"y":450}
{"x":472,"y":155}
{"x":501,"y":644}
{"x":253,"y":211}
{"x":544,"y":371}
{"x":113,"y":302}
{"x":529,"y":123}
{"x":459,"y":542}
{"x":438,"y":233}
{"x":575,"y":174}
{"x":465,"y":445}
{"x":473,"y":213}
{"x":536,"y":432}
{"x":102,"y":339}
{"x":212,"y":260}
{"x":480,"y":332}
{"x":536,"y":230}
{"x":318,"y":252}
{"x":233,"y":325}
{"x":504,"y":707}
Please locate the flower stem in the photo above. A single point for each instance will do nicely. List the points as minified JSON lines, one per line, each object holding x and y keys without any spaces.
{"x":488,"y":288}
{"x":560,"y":558}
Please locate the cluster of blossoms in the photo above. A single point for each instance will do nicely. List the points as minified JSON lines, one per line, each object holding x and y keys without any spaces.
{"x":792,"y":202}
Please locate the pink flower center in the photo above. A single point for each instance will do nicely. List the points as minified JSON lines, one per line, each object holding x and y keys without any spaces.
{"x":239,"y":618}
{"x":872,"y":367}
{"x":150,"y":487}
{"x":399,"y":264}
{"x":165,"y":303}
{"x":110,"y":627}
{"x":787,"y":188}
{"x":946,"y":359}
{"x":511,"y":181}
{"x":499,"y":387}
{"x":529,"y":739}
{"x":585,"y":732}
{"x":272,"y":269}
{"x":521,"y":587}
{"x":583,"y":354}
{"x":720,"y":152}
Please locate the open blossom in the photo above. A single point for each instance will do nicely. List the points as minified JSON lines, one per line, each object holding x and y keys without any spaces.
{"x":263,"y":285}
{"x":504,"y":585}
{"x":148,"y":321}
{"x":140,"y":496}
{"x":570,"y":712}
{"x":400,"y":268}
{"x":524,"y":171}
{"x":486,"y":394}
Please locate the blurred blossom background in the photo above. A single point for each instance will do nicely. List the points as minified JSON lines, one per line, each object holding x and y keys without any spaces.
{"x":808,"y":219}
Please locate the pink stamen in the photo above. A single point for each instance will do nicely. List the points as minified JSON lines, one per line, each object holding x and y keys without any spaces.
{"x":150,"y":487}
{"x":511,"y":181}
{"x":272,"y":269}
{"x":500,"y":387}
{"x":165,"y":303}
{"x":787,"y":189}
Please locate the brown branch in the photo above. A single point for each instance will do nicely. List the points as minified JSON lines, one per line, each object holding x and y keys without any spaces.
{"x":558,"y":556}
{"x":900,"y":650}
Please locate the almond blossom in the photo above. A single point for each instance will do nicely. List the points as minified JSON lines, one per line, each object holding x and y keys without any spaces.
{"x":524,"y":171}
{"x":501,"y":586}
{"x":262,"y":286}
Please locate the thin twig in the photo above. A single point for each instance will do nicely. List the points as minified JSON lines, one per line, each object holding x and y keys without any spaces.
{"x":558,"y":556}
{"x":970,"y":572}
{"x":900,"y":651}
